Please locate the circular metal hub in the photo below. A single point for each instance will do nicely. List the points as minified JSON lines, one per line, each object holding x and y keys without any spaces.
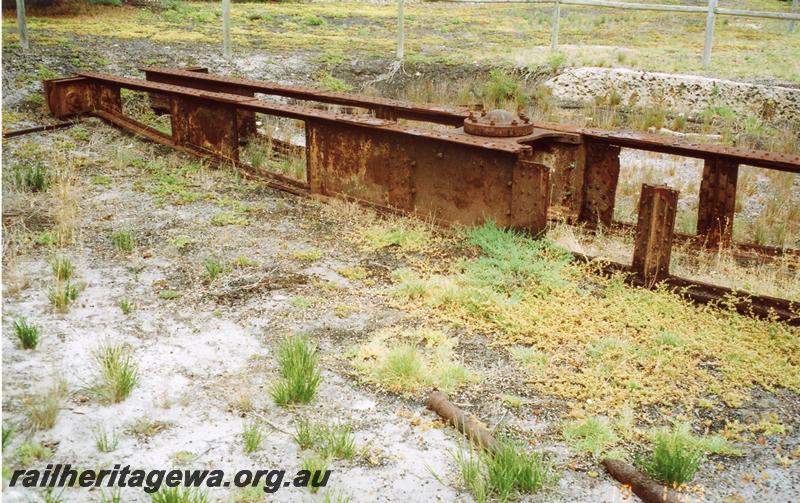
{"x":497,"y":123}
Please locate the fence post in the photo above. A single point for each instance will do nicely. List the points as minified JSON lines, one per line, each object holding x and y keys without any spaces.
{"x":21,"y":24}
{"x":793,"y":23}
{"x":401,"y":37}
{"x":226,"y":28}
{"x":712,"y":11}
{"x":556,"y":18}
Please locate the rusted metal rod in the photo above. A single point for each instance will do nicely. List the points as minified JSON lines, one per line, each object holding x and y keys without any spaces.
{"x":463,"y":422}
{"x":36,"y":129}
{"x":641,"y":485}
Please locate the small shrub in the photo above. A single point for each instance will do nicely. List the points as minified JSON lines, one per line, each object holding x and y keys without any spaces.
{"x":252,"y":436}
{"x":27,"y":333}
{"x":297,"y":361}
{"x":676,"y":456}
{"x":407,"y":238}
{"x":213,"y":268}
{"x":119,"y":373}
{"x":62,"y":295}
{"x":62,"y":268}
{"x":313,"y":20}
{"x":168,"y":294}
{"x":123,"y":240}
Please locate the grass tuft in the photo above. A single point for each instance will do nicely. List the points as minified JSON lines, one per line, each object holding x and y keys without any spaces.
{"x":676,"y":456}
{"x":316,"y":466}
{"x":592,"y":436}
{"x":126,"y":306}
{"x":213,"y":268}
{"x":507,"y":473}
{"x":405,"y":236}
{"x":30,"y":451}
{"x":42,"y":410}
{"x":178,"y":495}
{"x":62,"y":295}
{"x":119,"y":373}
{"x":104,"y":440}
{"x":309,"y":255}
{"x":331,"y":441}
{"x":252,"y":436}
{"x":123,"y":241}
{"x":395,"y":361}
{"x":27,"y":333}
{"x":297,"y":361}
{"x":62,"y":268}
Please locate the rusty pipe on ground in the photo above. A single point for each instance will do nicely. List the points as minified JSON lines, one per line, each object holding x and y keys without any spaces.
{"x":642,"y":486}
{"x":463,"y":422}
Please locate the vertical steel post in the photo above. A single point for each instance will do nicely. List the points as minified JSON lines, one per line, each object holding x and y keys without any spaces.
{"x":401,"y":36}
{"x":712,"y":12}
{"x":654,"y":230}
{"x":717,"y":204}
{"x":556,"y":18}
{"x":226,"y":28}
{"x":793,"y":23}
{"x":22,"y":25}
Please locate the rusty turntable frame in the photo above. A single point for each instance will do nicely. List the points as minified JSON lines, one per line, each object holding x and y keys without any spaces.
{"x":448,"y":163}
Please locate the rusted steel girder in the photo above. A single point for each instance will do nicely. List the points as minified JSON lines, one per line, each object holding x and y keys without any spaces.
{"x":446,"y":174}
{"x":583,"y":177}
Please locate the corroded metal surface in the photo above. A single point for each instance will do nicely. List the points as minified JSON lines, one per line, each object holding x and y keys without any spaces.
{"x":717,"y":203}
{"x":652,"y":248}
{"x":497,"y":123}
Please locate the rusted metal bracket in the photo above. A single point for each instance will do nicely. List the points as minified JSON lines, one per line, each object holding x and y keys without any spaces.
{"x":442,"y":173}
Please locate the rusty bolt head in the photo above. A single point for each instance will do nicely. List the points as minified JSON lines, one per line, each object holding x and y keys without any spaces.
{"x":514,"y":122}
{"x":483,"y":113}
{"x":491,"y":123}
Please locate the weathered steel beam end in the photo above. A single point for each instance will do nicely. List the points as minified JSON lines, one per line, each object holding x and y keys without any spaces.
{"x":717,"y":203}
{"x":600,"y":183}
{"x":653,"y":246}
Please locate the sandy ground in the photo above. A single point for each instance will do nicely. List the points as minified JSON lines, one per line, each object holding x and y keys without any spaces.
{"x":198,"y":353}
